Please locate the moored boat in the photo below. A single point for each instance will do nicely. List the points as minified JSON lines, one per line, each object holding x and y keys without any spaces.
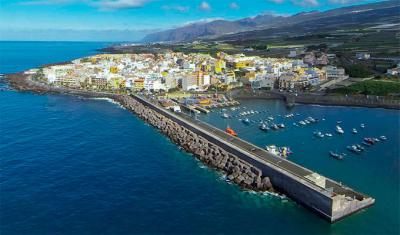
{"x":353,"y":148}
{"x":336,"y":155}
{"x":382,"y":137}
{"x":318,"y":134}
{"x":366,"y":143}
{"x":369,"y":140}
{"x":360,"y":147}
{"x":274,"y":127}
{"x":339,"y":130}
{"x":264,"y":127}
{"x":225,"y":115}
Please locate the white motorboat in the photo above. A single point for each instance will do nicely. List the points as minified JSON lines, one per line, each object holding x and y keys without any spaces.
{"x":225,"y":115}
{"x":339,"y":130}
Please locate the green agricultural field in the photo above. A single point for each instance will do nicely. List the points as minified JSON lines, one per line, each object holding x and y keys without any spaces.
{"x":372,"y":87}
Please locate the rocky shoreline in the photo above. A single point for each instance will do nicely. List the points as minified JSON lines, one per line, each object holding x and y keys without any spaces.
{"x":235,"y":169}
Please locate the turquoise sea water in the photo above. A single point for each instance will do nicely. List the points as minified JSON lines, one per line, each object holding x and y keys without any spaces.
{"x":82,"y":166}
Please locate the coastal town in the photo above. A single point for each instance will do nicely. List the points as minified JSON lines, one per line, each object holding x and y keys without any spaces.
{"x":171,"y":72}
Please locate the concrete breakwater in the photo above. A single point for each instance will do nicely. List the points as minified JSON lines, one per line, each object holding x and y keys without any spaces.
{"x":236,"y":170}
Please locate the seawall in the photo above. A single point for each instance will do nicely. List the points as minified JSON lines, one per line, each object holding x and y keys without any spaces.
{"x":210,"y":153}
{"x":328,"y":198}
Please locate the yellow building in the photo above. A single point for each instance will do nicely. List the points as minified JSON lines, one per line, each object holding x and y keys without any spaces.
{"x":250,"y":75}
{"x":219,"y":66}
{"x":243,"y":64}
{"x":138,"y":84}
{"x":117,"y":83}
{"x":113,"y":69}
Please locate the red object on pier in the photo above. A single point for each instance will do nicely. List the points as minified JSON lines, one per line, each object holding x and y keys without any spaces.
{"x":230,"y":131}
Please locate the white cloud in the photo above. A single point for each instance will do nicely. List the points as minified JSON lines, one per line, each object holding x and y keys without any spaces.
{"x":234,"y":6}
{"x":118,"y":4}
{"x":101,"y":4}
{"x":345,"y":1}
{"x":274,"y":13}
{"x":176,"y":8}
{"x":45,"y":2}
{"x":306,"y":3}
{"x":204,"y":6}
{"x":277,"y":1}
{"x":202,"y":21}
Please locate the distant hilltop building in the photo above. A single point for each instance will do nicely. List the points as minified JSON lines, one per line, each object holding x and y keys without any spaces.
{"x":363,"y":56}
{"x":313,"y":59}
{"x":394,"y":71}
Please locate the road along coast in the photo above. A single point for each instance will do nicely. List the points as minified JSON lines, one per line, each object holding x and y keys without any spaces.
{"x":243,"y":163}
{"x":321,"y":99}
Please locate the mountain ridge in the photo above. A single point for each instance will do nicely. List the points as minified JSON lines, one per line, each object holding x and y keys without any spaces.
{"x":221,"y":28}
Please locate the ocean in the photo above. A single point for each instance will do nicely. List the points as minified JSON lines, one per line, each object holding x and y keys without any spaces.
{"x":72,"y":165}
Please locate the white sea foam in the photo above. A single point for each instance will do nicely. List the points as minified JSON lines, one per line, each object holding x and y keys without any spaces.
{"x":109,"y":100}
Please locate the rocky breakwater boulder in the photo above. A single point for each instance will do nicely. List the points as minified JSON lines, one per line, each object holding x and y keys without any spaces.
{"x":236,"y":170}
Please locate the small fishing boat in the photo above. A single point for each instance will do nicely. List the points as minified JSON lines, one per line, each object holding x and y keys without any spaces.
{"x":354,"y":131}
{"x":339,"y":130}
{"x":264,"y":127}
{"x":274,"y":127}
{"x":362,"y":125}
{"x":336,"y":155}
{"x":366,"y":143}
{"x":369,"y":140}
{"x":360,"y":147}
{"x":281,"y":125}
{"x":302,"y":123}
{"x":353,"y":148}
{"x":318,"y":134}
{"x":225,"y":115}
{"x":382,"y":137}
{"x":246,"y":121}
{"x":339,"y":122}
{"x":311,"y":119}
{"x":328,"y":135}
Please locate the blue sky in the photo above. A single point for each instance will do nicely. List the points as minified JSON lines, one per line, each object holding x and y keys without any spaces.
{"x":31,"y":19}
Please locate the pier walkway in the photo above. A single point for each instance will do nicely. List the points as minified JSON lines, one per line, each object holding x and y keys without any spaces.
{"x":327,"y":197}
